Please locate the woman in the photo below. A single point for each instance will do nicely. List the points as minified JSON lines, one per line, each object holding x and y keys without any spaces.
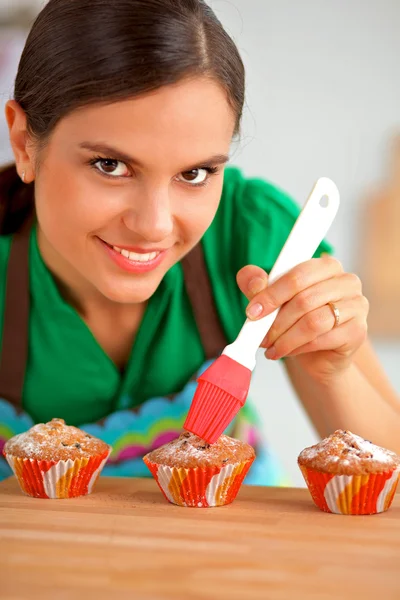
{"x":121,"y":124}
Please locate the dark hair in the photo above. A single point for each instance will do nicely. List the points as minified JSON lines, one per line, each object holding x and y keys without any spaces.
{"x":82,"y":52}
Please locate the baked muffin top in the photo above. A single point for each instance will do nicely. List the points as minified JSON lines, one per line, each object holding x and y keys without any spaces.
{"x":190,"y":451}
{"x":55,"y":441}
{"x":344,"y":453}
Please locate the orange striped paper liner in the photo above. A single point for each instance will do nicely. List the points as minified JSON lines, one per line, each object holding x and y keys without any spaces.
{"x":200,"y":487}
{"x":57,"y":479}
{"x":352,"y":494}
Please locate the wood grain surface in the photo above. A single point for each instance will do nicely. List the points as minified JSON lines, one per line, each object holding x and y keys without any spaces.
{"x":126,"y":541}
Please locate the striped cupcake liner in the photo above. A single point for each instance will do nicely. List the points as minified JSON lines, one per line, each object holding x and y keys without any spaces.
{"x":57,"y":479}
{"x":200,"y":487}
{"x":352,"y":494}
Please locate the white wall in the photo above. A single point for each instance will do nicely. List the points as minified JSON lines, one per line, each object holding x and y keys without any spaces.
{"x":11,"y":7}
{"x":323,"y":97}
{"x":11,"y":45}
{"x":323,"y":94}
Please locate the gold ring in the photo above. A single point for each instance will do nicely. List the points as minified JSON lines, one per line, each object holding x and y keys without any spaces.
{"x":336,"y":313}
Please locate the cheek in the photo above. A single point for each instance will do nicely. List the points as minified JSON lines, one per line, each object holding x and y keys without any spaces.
{"x":195,"y":214}
{"x":72,"y":204}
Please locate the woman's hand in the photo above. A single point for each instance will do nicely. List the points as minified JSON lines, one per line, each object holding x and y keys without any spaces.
{"x":305,"y":326}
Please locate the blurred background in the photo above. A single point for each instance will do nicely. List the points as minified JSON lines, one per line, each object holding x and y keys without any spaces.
{"x":323,"y":99}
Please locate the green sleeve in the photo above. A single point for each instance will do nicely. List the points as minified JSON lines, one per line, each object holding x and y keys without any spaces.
{"x":5,"y":245}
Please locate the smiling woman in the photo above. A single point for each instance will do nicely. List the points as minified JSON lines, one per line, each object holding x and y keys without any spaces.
{"x":121,"y":125}
{"x":131,"y":194}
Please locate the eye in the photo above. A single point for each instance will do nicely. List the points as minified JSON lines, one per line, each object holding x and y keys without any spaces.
{"x":111,"y":167}
{"x":194,"y":176}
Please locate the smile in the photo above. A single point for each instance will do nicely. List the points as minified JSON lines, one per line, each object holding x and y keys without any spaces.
{"x":133,"y":262}
{"x":135,"y":256}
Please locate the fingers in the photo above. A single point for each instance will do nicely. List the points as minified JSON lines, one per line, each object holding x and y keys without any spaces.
{"x":316,"y":331}
{"x":296,"y":281}
{"x":252,"y":280}
{"x":306,"y":321}
{"x":339,"y":338}
{"x":309,"y":300}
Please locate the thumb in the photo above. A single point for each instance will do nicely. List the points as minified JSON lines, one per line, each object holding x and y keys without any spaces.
{"x":252,"y":280}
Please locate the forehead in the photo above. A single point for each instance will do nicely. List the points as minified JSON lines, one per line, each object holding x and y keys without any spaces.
{"x":182,"y":120}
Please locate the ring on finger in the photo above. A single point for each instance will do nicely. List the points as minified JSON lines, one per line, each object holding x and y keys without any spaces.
{"x":336,"y":314}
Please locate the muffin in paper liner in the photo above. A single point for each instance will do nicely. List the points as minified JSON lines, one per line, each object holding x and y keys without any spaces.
{"x":352,"y":494}
{"x":348,"y":475}
{"x":191,"y":472}
{"x":55,"y":460}
{"x":57,"y":479}
{"x":200,"y":487}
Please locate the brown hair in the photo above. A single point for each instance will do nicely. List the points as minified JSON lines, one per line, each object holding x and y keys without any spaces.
{"x":82,"y":52}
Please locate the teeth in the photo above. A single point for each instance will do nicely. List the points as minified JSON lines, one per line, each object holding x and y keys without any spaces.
{"x":134,"y":256}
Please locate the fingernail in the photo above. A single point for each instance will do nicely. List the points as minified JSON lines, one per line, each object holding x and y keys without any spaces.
{"x":254,"y":310}
{"x":271,"y":353}
{"x":257,"y":285}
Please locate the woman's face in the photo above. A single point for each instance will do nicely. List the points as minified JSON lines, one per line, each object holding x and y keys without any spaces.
{"x":125,"y":190}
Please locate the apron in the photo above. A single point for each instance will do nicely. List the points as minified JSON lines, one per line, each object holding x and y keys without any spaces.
{"x":14,"y":350}
{"x":131,"y":432}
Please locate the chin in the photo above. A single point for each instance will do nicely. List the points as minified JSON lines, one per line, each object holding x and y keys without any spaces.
{"x":127,"y":294}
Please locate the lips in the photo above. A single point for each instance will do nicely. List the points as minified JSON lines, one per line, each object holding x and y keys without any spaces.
{"x":134,"y":261}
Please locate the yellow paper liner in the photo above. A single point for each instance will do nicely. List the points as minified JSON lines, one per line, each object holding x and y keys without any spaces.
{"x":352,"y":494}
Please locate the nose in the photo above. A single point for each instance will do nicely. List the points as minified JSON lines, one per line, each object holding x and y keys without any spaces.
{"x":150,"y":215}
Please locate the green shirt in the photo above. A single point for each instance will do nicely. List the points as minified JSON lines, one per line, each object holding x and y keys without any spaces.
{"x":69,"y":375}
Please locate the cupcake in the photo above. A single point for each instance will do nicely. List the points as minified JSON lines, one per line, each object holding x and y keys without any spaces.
{"x":348,"y":475}
{"x":192,"y":473}
{"x":53,"y":460}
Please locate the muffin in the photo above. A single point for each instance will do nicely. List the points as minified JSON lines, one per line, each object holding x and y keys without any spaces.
{"x":53,"y":460}
{"x":348,"y":475}
{"x":192,"y":473}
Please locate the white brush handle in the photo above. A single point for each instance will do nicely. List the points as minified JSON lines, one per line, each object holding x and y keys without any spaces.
{"x":307,"y":234}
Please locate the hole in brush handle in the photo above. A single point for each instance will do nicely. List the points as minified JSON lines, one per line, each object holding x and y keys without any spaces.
{"x":324,"y":201}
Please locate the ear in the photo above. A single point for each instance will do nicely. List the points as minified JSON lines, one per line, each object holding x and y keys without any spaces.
{"x":20,"y":139}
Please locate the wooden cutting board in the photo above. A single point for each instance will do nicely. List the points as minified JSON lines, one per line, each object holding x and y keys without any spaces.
{"x":126,"y":541}
{"x":380,"y":253}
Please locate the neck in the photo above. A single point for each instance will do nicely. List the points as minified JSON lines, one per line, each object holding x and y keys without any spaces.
{"x":114,"y":325}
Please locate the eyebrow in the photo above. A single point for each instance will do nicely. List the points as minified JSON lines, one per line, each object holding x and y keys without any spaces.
{"x":109,"y":151}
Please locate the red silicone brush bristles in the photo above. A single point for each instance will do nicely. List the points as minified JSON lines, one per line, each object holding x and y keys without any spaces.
{"x":221,"y":392}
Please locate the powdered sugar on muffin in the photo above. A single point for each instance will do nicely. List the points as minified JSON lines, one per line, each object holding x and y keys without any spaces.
{"x":54,"y":441}
{"x":190,"y":451}
{"x":344,"y":453}
{"x":192,"y":473}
